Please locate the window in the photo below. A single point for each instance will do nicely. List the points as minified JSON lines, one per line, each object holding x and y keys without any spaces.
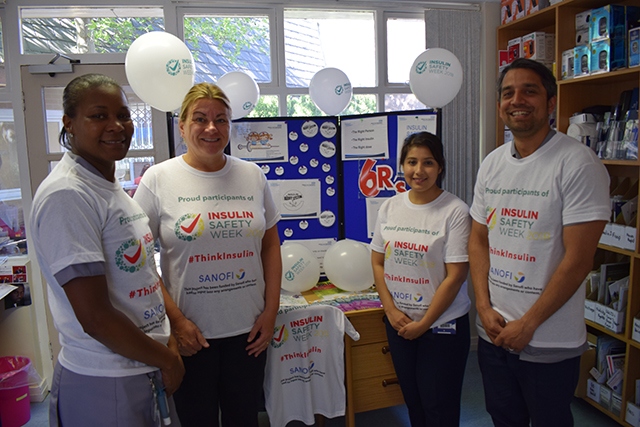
{"x":406,"y":40}
{"x":3,"y":71}
{"x":316,"y":39}
{"x":223,"y":43}
{"x":12,"y":234}
{"x":402,"y":102}
{"x":85,"y":30}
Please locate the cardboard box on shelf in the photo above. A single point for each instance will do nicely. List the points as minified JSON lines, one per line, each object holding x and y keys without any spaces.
{"x":505,"y":12}
{"x":582,"y":38}
{"x":616,"y":404}
{"x":581,"y":59}
{"x":536,"y":5}
{"x":630,"y":238}
{"x":593,"y":390}
{"x":632,"y":415}
{"x":634,"y":47}
{"x":606,"y":238}
{"x":510,"y":10}
{"x":614,"y":320}
{"x":567,"y":64}
{"x":608,"y":55}
{"x":600,"y":57}
{"x":605,"y":397}
{"x":583,"y":20}
{"x":514,"y":47}
{"x":539,"y":46}
{"x":635,"y":335}
{"x":607,"y":22}
{"x":503,"y":59}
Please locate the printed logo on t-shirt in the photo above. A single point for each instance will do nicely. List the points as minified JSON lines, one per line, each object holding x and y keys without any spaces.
{"x":491,"y":217}
{"x":131,"y":255}
{"x":189,"y":227}
{"x":507,"y":276}
{"x":407,"y":253}
{"x":280,"y":336}
{"x":518,"y":224}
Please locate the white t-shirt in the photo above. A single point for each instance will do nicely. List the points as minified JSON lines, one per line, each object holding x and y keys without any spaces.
{"x":77,"y":218}
{"x":210,"y":226}
{"x":305,"y":365}
{"x":417,"y":242}
{"x":525,"y":204}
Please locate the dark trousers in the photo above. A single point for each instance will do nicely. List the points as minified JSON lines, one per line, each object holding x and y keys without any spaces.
{"x":518,"y":392}
{"x":222,"y":378}
{"x":430,"y":370}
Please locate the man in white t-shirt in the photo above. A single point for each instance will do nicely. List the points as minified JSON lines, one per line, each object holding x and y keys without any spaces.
{"x":540,"y":205}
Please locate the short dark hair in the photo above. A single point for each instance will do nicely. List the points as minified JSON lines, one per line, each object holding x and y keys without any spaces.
{"x":546,"y":76}
{"x":74,"y":93}
{"x":427,"y":140}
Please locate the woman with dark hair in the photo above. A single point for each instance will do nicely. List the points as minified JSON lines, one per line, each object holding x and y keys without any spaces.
{"x":420,"y":264}
{"x":95,"y":249}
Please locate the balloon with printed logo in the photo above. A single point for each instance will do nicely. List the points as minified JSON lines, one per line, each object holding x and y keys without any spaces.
{"x":435,"y":77}
{"x":300,"y":268}
{"x":242,"y":90}
{"x":330,"y":90}
{"x":347,"y":264}
{"x":160,"y":69}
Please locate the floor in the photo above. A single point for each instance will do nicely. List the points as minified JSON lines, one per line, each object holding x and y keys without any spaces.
{"x":473,"y":412}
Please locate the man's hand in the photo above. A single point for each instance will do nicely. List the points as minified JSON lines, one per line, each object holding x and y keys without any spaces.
{"x":492,"y":322}
{"x":514,"y":336}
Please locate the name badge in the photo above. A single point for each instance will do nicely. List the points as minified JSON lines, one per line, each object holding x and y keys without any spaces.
{"x":448,"y":328}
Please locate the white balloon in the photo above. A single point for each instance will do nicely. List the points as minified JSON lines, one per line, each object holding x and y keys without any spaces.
{"x":300,"y":268}
{"x":242,"y":90}
{"x":435,"y":77}
{"x":330,"y":89}
{"x":160,"y":69}
{"x":347,"y":264}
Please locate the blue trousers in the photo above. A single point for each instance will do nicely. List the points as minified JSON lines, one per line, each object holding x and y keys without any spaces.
{"x":222,"y":378}
{"x":518,"y":392}
{"x":430,"y":370}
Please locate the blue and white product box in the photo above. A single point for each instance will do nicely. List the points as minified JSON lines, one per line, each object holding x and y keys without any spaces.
{"x":581,"y":60}
{"x":599,"y":62}
{"x":634,"y":47}
{"x":607,"y":22}
{"x":567,"y":64}
{"x":608,"y":55}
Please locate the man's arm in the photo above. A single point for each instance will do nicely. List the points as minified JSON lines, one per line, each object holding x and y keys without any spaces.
{"x":580,"y":243}
{"x":479,"y":264}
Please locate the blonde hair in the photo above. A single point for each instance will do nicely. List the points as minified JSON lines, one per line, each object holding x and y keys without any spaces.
{"x":202,"y":91}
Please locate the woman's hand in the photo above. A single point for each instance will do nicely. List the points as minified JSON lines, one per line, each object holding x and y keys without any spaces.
{"x":261,"y":334}
{"x":412,"y":330}
{"x":397,"y":318}
{"x":190,"y":339}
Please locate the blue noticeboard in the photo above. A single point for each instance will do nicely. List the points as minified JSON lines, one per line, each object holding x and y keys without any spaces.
{"x":300,"y":158}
